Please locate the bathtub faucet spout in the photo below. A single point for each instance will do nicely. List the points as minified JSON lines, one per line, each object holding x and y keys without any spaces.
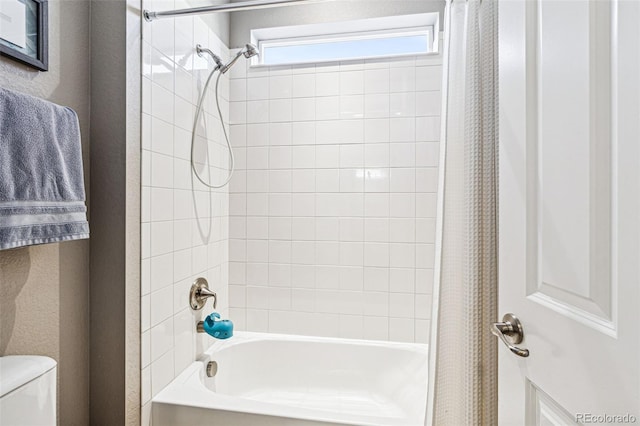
{"x":212,"y":324}
{"x":216,"y":327}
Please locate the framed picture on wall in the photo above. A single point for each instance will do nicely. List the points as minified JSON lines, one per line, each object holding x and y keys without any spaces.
{"x":24,"y":32}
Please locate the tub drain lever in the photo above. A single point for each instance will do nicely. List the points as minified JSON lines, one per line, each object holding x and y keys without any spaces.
{"x":212,"y":368}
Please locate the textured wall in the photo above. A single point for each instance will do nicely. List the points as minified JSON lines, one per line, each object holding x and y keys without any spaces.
{"x":44,"y":289}
{"x":115,"y":249}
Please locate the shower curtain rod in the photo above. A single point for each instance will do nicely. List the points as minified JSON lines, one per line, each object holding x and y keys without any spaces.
{"x":229,"y":7}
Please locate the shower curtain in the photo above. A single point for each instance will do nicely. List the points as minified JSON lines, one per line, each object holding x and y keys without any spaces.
{"x":466,"y":361}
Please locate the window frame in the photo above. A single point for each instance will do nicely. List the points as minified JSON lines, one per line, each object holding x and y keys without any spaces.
{"x":365,"y":29}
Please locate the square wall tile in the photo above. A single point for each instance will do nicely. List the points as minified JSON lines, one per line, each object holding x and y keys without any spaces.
{"x":185,"y":227}
{"x":333,"y":208}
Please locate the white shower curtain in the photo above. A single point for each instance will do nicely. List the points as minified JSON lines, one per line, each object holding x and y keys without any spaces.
{"x":466,"y":361}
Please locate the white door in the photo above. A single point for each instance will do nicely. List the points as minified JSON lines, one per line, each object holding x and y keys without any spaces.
{"x":570,"y":210}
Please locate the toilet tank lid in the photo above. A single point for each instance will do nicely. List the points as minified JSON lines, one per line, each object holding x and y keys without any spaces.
{"x":18,"y":370}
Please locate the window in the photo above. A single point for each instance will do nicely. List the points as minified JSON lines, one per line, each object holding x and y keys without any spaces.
{"x":367,"y":38}
{"x":352,"y":46}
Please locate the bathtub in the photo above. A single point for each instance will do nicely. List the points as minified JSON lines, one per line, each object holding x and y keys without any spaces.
{"x":283,"y":380}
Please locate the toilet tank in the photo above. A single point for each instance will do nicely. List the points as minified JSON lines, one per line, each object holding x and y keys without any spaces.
{"x":27,"y":391}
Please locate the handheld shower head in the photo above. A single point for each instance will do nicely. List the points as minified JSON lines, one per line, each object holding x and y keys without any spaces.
{"x":248,"y":51}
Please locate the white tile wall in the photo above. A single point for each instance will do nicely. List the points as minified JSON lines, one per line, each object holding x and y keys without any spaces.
{"x":332,"y":207}
{"x":185,"y":226}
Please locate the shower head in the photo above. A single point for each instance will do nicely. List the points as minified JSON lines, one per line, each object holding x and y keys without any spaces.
{"x":248,"y":51}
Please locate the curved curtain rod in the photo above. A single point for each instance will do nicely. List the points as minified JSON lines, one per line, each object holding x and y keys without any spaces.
{"x":228,"y":7}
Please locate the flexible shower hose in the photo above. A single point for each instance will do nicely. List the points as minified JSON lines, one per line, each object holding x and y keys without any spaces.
{"x":224,"y":131}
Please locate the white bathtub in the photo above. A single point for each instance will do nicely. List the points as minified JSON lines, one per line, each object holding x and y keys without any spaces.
{"x":270,"y":379}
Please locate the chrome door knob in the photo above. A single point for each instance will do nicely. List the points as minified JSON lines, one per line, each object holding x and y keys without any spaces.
{"x":511,"y":333}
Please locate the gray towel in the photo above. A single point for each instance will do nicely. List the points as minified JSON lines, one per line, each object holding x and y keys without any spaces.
{"x":42,"y":197}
